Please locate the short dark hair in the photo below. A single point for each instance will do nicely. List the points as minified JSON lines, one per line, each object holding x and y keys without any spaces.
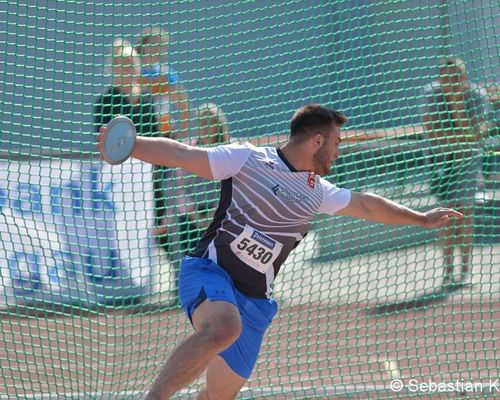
{"x":314,"y":118}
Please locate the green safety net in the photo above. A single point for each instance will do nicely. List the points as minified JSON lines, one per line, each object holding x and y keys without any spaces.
{"x":89,"y":253}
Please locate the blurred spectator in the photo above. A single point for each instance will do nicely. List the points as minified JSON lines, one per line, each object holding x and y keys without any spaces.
{"x":124,"y":97}
{"x":162,"y":81}
{"x":454,"y":113}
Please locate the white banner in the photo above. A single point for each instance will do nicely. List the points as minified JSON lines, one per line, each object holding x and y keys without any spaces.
{"x":75,"y":231}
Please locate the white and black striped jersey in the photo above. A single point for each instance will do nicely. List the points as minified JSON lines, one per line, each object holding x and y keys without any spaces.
{"x":265,"y":209}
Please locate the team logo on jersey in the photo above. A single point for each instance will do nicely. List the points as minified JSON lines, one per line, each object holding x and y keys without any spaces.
{"x":287,"y":195}
{"x":311,"y":180}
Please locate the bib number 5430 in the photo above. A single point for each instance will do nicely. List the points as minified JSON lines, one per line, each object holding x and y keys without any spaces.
{"x":256,"y":249}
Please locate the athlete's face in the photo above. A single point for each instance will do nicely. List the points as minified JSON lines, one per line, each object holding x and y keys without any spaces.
{"x":328,"y":152}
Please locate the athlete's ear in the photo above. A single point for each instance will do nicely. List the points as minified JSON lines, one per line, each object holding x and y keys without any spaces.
{"x":318,"y":140}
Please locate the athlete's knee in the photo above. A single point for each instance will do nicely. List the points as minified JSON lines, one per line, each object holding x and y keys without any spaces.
{"x":222,"y":332}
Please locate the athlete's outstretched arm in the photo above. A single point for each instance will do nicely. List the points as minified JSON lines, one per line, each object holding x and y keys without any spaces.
{"x":379,"y":209}
{"x":169,"y":153}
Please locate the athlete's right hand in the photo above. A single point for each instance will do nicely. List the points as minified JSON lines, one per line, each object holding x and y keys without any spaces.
{"x":101,"y":137}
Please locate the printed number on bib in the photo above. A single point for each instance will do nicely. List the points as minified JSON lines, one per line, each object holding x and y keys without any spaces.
{"x":256,"y":249}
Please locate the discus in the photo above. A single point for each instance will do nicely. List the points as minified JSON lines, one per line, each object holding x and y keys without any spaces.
{"x":119,"y":140}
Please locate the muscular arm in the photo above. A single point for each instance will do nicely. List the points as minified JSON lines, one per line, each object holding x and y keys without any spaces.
{"x":379,"y":209}
{"x":169,"y":153}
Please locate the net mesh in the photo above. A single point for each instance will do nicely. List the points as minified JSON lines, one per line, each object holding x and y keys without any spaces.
{"x":89,"y":253}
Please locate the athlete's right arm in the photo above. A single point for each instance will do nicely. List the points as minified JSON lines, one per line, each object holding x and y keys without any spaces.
{"x":220,"y":162}
{"x":168,"y":153}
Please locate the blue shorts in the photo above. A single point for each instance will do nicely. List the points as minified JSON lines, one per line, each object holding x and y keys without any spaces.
{"x":202,"y":279}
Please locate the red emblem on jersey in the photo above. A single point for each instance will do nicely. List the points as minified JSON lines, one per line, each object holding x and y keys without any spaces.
{"x":311,"y":180}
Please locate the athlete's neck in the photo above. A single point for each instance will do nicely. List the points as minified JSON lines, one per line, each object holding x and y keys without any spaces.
{"x":297,"y":157}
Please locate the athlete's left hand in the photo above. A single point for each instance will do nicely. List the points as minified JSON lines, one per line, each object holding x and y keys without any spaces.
{"x":438,"y":217}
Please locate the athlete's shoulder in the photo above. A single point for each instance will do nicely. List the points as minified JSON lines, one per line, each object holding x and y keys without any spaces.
{"x":239,"y":144}
{"x":245,"y":144}
{"x":228,"y":159}
{"x":334,"y":197}
{"x":329,"y":187}
{"x":324,"y":182}
{"x":249,"y":148}
{"x":233,"y":148}
{"x":322,"y":185}
{"x":259,"y":154}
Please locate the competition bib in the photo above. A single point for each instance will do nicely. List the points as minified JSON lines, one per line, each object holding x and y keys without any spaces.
{"x":256,"y":249}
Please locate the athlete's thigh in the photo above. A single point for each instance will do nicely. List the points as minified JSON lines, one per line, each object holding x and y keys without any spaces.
{"x":222,"y":382}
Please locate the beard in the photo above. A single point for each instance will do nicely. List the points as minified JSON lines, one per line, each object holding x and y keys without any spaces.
{"x":322,"y":163}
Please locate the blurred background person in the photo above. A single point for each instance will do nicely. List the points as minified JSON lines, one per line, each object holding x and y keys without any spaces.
{"x":162,"y":81}
{"x":125,"y":97}
{"x":454,"y":113}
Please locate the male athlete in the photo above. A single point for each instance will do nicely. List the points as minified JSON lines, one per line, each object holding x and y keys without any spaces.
{"x":268,"y":199}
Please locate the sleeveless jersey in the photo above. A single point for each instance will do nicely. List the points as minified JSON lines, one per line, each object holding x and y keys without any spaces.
{"x":265,"y":209}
